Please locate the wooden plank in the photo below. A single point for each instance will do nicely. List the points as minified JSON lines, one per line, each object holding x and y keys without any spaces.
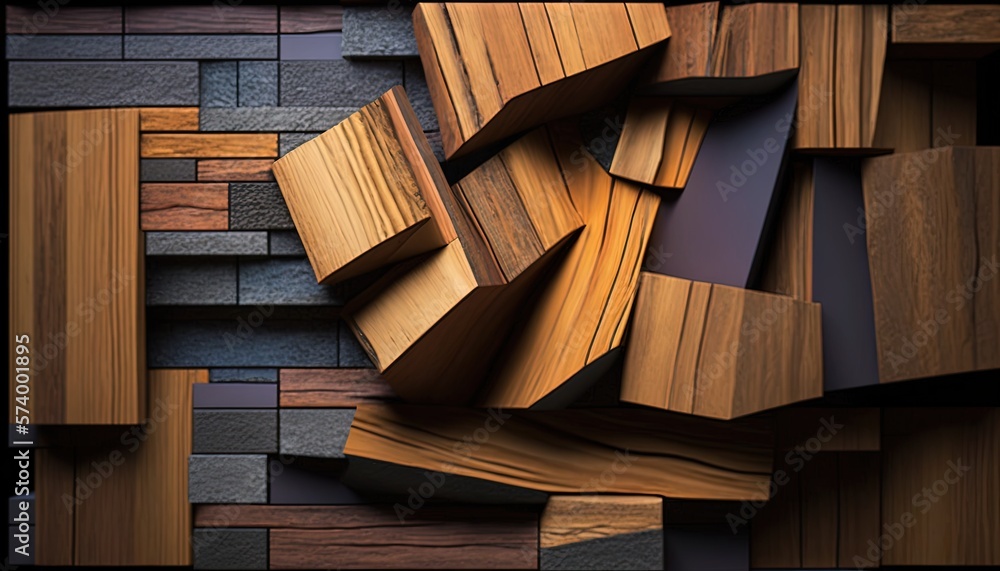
{"x":543,"y":44}
{"x":820,"y":509}
{"x":945,"y":24}
{"x":210,"y":146}
{"x":648,"y":22}
{"x":215,"y":19}
{"x":953,"y":102}
{"x":788,"y":268}
{"x":66,"y":20}
{"x":235,"y":170}
{"x":689,"y":51}
{"x":841,"y":429}
{"x":859,"y":497}
{"x":184,"y":206}
{"x":605,"y":32}
{"x":304,"y":19}
{"x":77,"y":267}
{"x":904,"y":113}
{"x":568,"y":42}
{"x":55,"y":470}
{"x":776,"y":530}
{"x":333,"y":388}
{"x":168,"y":119}
{"x":573,"y":519}
{"x":510,"y":54}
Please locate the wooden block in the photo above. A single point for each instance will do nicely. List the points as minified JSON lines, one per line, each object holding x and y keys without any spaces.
{"x":77,"y":272}
{"x":67,"y":20}
{"x":602,"y":532}
{"x":140,"y":515}
{"x":668,"y":455}
{"x":209,"y":146}
{"x":659,"y":142}
{"x":434,"y":325}
{"x":494,"y":70}
{"x":332,"y":388}
{"x":837,"y":429}
{"x":54,"y":521}
{"x":168,"y":119}
{"x":235,"y":170}
{"x":220,"y":19}
{"x":973,"y":29}
{"x":933,"y":257}
{"x":303,"y":19}
{"x":184,"y":206}
{"x":720,"y":351}
{"x":366,"y":193}
{"x":859,"y":499}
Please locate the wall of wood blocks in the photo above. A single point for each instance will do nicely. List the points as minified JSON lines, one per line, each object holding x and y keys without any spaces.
{"x":559,"y":285}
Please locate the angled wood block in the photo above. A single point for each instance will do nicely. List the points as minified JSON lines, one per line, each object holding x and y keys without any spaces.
{"x":432,"y":326}
{"x":601,"y":532}
{"x":936,"y":30}
{"x":366,"y":193}
{"x":77,"y":265}
{"x":720,"y":351}
{"x":933,"y":254}
{"x":749,"y":49}
{"x":567,"y":451}
{"x":184,"y":206}
{"x":495,"y":70}
{"x":659,"y":142}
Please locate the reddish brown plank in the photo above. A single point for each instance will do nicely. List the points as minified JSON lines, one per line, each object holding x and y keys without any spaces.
{"x":301,"y":19}
{"x":188,"y":206}
{"x":333,"y":387}
{"x":67,"y":20}
{"x":235,"y":170}
{"x":217,"y":18}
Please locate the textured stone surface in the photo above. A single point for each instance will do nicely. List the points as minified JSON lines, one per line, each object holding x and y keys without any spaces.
{"x":302,"y":47}
{"x":287,"y":142}
{"x":319,"y":433}
{"x":243,"y":375}
{"x":639,"y":550}
{"x":351,"y":353}
{"x":336,"y":83}
{"x":237,"y":343}
{"x":418,"y":94}
{"x":258,"y":206}
{"x":191,"y":281}
{"x":104,"y":84}
{"x":229,"y":478}
{"x":235,"y":431}
{"x":434,"y":139}
{"x":167,"y":170}
{"x":258,"y":83}
{"x":219,"y":84}
{"x":286,"y":243}
{"x":379,"y":31}
{"x":229,"y":548}
{"x":201,"y":47}
{"x":283,"y":282}
{"x":64,"y":47}
{"x":206,"y":243}
{"x":273,"y":118}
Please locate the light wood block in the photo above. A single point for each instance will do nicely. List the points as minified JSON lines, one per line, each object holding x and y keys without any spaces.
{"x":209,"y":145}
{"x":184,"y":206}
{"x":168,"y":119}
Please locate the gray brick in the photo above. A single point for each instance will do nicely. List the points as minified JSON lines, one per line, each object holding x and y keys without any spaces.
{"x":283,"y":282}
{"x":225,"y":479}
{"x":324,"y":46}
{"x":287,"y":142}
{"x":173,"y":281}
{"x":638,"y":550}
{"x":418,"y":94}
{"x":258,"y":206}
{"x":219,"y":84}
{"x":258,"y":83}
{"x":351,"y":353}
{"x":319,"y":433}
{"x":201,"y":47}
{"x":378,"y":32}
{"x":336,"y":83}
{"x":167,"y":170}
{"x":206,"y":243}
{"x":286,"y":243}
{"x":243,"y":375}
{"x":104,"y":84}
{"x":230,"y":548}
{"x":64,"y":47}
{"x":237,"y":343}
{"x":273,"y":118}
{"x":235,"y":431}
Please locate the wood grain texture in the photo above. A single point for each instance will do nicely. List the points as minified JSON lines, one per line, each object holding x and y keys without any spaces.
{"x":67,"y":20}
{"x":944,"y":24}
{"x":300,"y":388}
{"x":303,"y":19}
{"x":842,"y":429}
{"x":494,"y":70}
{"x":366,"y":193}
{"x":209,"y":146}
{"x":216,"y":19}
{"x":55,"y":470}
{"x":184,"y":206}
{"x":788,"y":267}
{"x":668,"y":455}
{"x":140,"y":514}
{"x":720,"y":351}
{"x":571,"y":519}
{"x":940,"y":233}
{"x":235,"y":170}
{"x":77,"y":267}
{"x":168,"y":119}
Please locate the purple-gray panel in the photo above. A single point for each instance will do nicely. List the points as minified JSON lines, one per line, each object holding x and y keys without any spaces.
{"x":235,"y":395}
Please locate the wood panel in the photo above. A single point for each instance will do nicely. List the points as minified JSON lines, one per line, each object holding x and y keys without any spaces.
{"x":303,"y":19}
{"x":67,"y":20}
{"x":366,"y":193}
{"x":666,"y":455}
{"x":720,"y":351}
{"x":168,"y":119}
{"x":659,"y":142}
{"x":209,"y":146}
{"x":139,"y":514}
{"x":215,"y":19}
{"x":332,"y":387}
{"x":572,"y":519}
{"x":184,"y":206}
{"x":235,"y":170}
{"x":788,"y":267}
{"x":77,"y":271}
{"x":55,"y":470}
{"x":976,"y":27}
{"x":939,"y":233}
{"x":839,"y":429}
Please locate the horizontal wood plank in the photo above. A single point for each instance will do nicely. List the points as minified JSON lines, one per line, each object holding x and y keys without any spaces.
{"x":184,"y":206}
{"x":219,"y":18}
{"x":332,"y":387}
{"x":168,"y":119}
{"x":67,"y":20}
{"x":235,"y":170}
{"x":209,"y":145}
{"x":303,"y":19}
{"x":945,"y":24}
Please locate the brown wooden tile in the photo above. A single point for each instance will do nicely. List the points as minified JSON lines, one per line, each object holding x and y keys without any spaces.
{"x":332,"y":387}
{"x":184,"y":206}
{"x":168,"y":119}
{"x":235,"y":170}
{"x":209,"y":145}
{"x":67,"y":20}
{"x":219,"y":18}
{"x":300,"y":19}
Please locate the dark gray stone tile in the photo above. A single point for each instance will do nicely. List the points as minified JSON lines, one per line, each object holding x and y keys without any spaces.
{"x":418,"y":94}
{"x":337,"y":83}
{"x":286,"y":243}
{"x":227,"y":479}
{"x":379,"y":32}
{"x":258,"y":206}
{"x":219,"y":84}
{"x":235,"y":395}
{"x":206,"y":243}
{"x":235,"y":431}
{"x":173,"y":281}
{"x":104,"y":84}
{"x":229,"y":548}
{"x":167,"y":170}
{"x":283,"y":282}
{"x":258,"y":83}
{"x":315,"y":432}
{"x":351,"y":353}
{"x":303,"y":47}
{"x":288,"y":142}
{"x":638,"y":550}
{"x":437,"y":145}
{"x":201,"y":47}
{"x":64,"y":47}
{"x":243,"y":375}
{"x":273,"y":118}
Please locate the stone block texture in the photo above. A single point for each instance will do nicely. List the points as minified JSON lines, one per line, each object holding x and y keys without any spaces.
{"x":206,"y":243}
{"x":201,"y":47}
{"x":235,"y":431}
{"x":258,"y":206}
{"x":219,"y":84}
{"x":172,"y":281}
{"x":229,"y":548}
{"x":319,"y":433}
{"x":167,"y":170}
{"x":351,"y":353}
{"x":51,"y":47}
{"x":288,"y":281}
{"x":272,"y":118}
{"x":336,"y":83}
{"x":286,"y":243}
{"x":243,"y":375}
{"x":379,"y":32}
{"x":101,"y":84}
{"x":288,"y":142}
{"x":258,"y":83}
{"x":227,"y":478}
{"x":415,"y":85}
